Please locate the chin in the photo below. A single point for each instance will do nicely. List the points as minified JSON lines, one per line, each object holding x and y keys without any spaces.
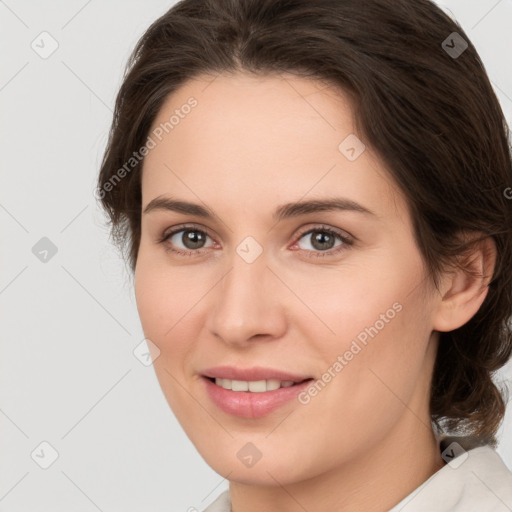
{"x":254,"y":460}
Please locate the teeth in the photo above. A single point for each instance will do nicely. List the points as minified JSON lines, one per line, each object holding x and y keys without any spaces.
{"x":273,"y":384}
{"x":225,"y":383}
{"x":255,"y":386}
{"x":239,"y":385}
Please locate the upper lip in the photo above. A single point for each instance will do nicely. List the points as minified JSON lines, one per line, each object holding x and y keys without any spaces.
{"x":251,"y":374}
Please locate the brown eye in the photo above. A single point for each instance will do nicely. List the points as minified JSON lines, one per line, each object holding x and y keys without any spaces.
{"x":186,"y":240}
{"x":321,"y":239}
{"x":193,"y":239}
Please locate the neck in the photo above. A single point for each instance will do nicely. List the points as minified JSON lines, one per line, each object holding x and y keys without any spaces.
{"x":376,"y":480}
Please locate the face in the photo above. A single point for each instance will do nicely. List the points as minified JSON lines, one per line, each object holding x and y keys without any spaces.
{"x":276,"y":249}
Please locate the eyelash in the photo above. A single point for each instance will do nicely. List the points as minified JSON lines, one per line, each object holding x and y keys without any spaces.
{"x":346,"y":241}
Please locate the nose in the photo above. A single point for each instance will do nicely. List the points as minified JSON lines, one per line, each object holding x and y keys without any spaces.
{"x":247,"y":303}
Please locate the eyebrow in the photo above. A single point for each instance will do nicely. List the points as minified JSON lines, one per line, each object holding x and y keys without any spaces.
{"x":282,"y":212}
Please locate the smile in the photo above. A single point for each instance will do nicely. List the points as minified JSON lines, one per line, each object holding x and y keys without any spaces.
{"x":253,"y":398}
{"x":254,"y":386}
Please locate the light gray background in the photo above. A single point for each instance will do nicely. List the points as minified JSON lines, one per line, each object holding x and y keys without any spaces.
{"x":69,"y":326}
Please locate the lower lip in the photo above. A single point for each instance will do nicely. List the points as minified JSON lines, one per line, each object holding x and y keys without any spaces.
{"x":246,"y":404}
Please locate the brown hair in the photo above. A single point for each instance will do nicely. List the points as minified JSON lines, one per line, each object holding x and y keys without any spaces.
{"x":427,"y":110}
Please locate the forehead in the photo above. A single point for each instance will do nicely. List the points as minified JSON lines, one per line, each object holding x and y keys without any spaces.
{"x":284,"y":104}
{"x":248,"y":137}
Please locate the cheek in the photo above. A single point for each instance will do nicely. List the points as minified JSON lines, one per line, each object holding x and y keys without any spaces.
{"x":332,"y":306}
{"x":365,"y":393}
{"x":377,"y":364}
{"x":166,"y":295}
{"x":374,"y":353}
{"x":165,"y":303}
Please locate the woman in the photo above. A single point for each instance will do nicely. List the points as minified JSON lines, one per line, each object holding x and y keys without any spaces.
{"x":313,"y":199}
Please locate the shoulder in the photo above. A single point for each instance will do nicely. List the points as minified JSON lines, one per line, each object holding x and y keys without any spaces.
{"x":474,"y":479}
{"x":221,"y":504}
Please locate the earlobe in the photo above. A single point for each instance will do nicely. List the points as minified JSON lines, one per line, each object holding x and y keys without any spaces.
{"x":463,"y":290}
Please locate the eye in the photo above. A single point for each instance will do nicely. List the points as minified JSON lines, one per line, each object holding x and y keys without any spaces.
{"x":192,"y":240}
{"x":322,"y":241}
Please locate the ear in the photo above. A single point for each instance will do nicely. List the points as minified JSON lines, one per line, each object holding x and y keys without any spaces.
{"x":463,"y":290}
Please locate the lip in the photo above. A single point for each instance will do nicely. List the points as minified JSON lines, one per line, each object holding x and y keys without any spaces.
{"x":246,"y":404}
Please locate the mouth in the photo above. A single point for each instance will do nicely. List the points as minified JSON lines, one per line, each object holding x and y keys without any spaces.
{"x":254,"y":398}
{"x":255,"y":386}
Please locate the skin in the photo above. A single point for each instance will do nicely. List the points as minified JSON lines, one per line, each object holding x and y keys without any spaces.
{"x":251,"y":144}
